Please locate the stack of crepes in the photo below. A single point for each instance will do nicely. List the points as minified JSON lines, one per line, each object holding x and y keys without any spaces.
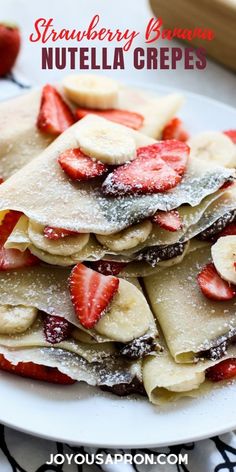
{"x":117,"y":249}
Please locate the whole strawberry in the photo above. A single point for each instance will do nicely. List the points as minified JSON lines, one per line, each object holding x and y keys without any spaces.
{"x":9,"y":47}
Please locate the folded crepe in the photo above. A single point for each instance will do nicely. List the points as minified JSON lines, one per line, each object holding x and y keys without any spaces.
{"x":21,"y":140}
{"x":165,"y":380}
{"x":47,"y":197}
{"x":108,"y":354}
{"x":193,"y":325}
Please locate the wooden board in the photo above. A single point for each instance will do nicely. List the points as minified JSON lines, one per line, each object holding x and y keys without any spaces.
{"x":219,"y":15}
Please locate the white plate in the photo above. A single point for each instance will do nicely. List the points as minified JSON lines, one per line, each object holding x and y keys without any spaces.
{"x":84,"y":415}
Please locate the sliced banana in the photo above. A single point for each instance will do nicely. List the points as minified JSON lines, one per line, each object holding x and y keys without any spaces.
{"x":214,"y":146}
{"x":128,"y":238}
{"x":92,"y":91}
{"x":128,"y":317}
{"x":16,"y":319}
{"x":224,"y":257}
{"x":108,"y":143}
{"x":62,"y":247}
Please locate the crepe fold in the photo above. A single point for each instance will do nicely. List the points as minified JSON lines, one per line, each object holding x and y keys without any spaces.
{"x":21,"y":141}
{"x":165,"y":380}
{"x":44,"y":193}
{"x":87,"y":355}
{"x":46,"y":289}
{"x":110,"y":372}
{"x":193,"y":325}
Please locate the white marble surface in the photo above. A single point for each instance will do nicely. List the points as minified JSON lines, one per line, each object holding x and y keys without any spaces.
{"x":215,"y":81}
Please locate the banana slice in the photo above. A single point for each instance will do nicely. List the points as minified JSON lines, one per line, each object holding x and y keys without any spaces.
{"x":128,"y":238}
{"x":108,"y":143}
{"x":224,"y":257}
{"x":214,"y":146}
{"x":128,"y":317}
{"x":91,"y":91}
{"x":16,"y":319}
{"x":62,"y":247}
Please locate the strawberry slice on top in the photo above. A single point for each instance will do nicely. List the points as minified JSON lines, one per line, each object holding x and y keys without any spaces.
{"x":157,"y":168}
{"x":91,"y":294}
{"x":225,"y":370}
{"x":35,"y":371}
{"x":175,"y":130}
{"x":80,"y":167}
{"x":13,"y":258}
{"x":169,"y":220}
{"x":54,"y":115}
{"x":123,"y":117}
{"x":213,"y":286}
{"x":51,"y":232}
{"x":231,"y":133}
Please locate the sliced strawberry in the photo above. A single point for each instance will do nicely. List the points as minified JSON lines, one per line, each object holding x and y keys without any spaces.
{"x":174,"y":153}
{"x":231,"y":133}
{"x":7,"y":225}
{"x":229,"y":230}
{"x":227,"y":184}
{"x":213,"y":286}
{"x":108,"y":267}
{"x":223,"y":371}
{"x":35,"y":371}
{"x":1,"y":180}
{"x":157,"y":168}
{"x":79,"y":166}
{"x":175,"y":130}
{"x":123,"y":117}
{"x":13,"y":258}
{"x":91,"y":294}
{"x":169,"y":220}
{"x":56,"y":329}
{"x":54,"y":115}
{"x":50,"y":232}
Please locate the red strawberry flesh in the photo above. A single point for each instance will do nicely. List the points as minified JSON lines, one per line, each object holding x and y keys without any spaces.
{"x":229,"y":230}
{"x":35,"y":371}
{"x":225,"y":370}
{"x":80,"y":167}
{"x":231,"y":133}
{"x":168,"y":220}
{"x":91,"y":294}
{"x":213,"y":286}
{"x":53,"y":233}
{"x":54,"y":115}
{"x":123,"y":117}
{"x":175,"y":130}
{"x":13,"y":258}
{"x":157,"y":168}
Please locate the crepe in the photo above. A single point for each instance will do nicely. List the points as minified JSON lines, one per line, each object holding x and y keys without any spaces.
{"x":193,"y":325}
{"x":109,"y":373}
{"x":165,"y":380}
{"x":45,"y":194}
{"x":84,"y":354}
{"x":46,"y":289}
{"x":21,"y":141}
